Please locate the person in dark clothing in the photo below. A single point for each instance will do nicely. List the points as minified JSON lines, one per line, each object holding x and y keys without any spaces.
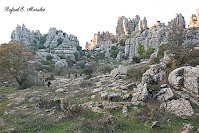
{"x":49,"y":83}
{"x":75,"y":75}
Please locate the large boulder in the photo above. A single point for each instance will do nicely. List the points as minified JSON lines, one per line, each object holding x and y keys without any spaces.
{"x":153,"y":75}
{"x":180,"y":107}
{"x":121,"y":70}
{"x":140,"y":93}
{"x":114,"y":97}
{"x":187,"y":77}
{"x":165,"y":94}
{"x":60,"y":64}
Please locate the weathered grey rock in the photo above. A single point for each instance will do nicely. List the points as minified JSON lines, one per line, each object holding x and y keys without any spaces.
{"x":124,"y":109}
{"x":121,"y":70}
{"x":26,"y":37}
{"x":188,"y":128}
{"x":153,"y":75}
{"x":167,"y":57}
{"x":140,"y":93}
{"x":107,"y":54}
{"x":60,"y":64}
{"x":185,"y":77}
{"x":60,"y":90}
{"x":110,"y":96}
{"x":58,"y":37}
{"x":180,"y":107}
{"x":165,"y":94}
{"x":125,"y":26}
{"x":178,"y":20}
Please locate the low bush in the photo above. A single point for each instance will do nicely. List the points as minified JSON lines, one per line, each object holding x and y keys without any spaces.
{"x":136,"y":59}
{"x":105,"y":69}
{"x":135,"y":74}
{"x":154,"y":60}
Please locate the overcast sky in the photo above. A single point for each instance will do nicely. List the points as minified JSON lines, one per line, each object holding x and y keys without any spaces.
{"x":83,"y":18}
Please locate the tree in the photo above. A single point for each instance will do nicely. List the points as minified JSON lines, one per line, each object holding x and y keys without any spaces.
{"x":176,"y":34}
{"x":14,"y":62}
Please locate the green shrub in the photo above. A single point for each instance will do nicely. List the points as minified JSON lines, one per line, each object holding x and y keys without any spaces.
{"x":114,"y":52}
{"x":48,"y":68}
{"x":79,"y":48}
{"x":163,"y":48}
{"x":43,"y":39}
{"x":49,"y":58}
{"x":59,"y":41}
{"x":51,"y":77}
{"x":45,"y":62}
{"x":136,"y":59}
{"x":141,"y":50}
{"x":100,"y":55}
{"x":88,"y":70}
{"x":106,"y":69}
{"x":121,"y":42}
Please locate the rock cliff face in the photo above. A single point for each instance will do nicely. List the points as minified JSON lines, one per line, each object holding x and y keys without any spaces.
{"x":104,"y":38}
{"x":125,"y":26}
{"x":194,"y":19}
{"x":25,"y":36}
{"x":152,"y":37}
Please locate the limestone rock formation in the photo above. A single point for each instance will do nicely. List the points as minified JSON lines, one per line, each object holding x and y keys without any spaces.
{"x":26,"y":37}
{"x":178,"y":20}
{"x":140,"y":93}
{"x":121,"y":70}
{"x":126,"y":26}
{"x":58,"y":37}
{"x":152,"y":37}
{"x":185,"y":77}
{"x":180,"y":107}
{"x":104,"y":38}
{"x":153,"y":75}
{"x":194,"y":19}
{"x":165,"y":94}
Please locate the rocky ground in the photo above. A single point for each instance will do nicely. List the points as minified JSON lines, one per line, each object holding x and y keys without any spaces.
{"x":106,"y":103}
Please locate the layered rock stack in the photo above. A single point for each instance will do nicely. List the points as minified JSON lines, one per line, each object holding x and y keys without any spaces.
{"x":25,"y":36}
{"x":126,"y":26}
{"x":103,"y":38}
{"x":194,"y":19}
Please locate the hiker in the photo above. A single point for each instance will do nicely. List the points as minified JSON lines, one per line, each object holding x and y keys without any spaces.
{"x":80,"y":75}
{"x":48,"y":83}
{"x":75,"y":75}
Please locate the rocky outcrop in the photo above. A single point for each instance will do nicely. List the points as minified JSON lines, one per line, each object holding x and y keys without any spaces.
{"x":187,"y":77}
{"x":121,"y":70}
{"x":152,"y":37}
{"x":180,"y":107}
{"x":26,"y":37}
{"x":194,"y":19}
{"x":58,"y":37}
{"x":165,"y":94}
{"x":103,"y":38}
{"x":153,"y":75}
{"x":140,"y":93}
{"x":178,"y":21}
{"x":126,"y":26}
{"x":115,"y":97}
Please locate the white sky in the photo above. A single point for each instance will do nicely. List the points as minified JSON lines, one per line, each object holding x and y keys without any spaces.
{"x":83,"y":18}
